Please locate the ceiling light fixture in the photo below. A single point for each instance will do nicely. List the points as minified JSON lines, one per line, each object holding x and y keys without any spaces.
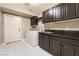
{"x":34,"y":4}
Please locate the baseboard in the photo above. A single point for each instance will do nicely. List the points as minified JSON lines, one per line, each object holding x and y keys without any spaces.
{"x":23,"y":40}
{"x":13,"y":42}
{"x":4,"y":43}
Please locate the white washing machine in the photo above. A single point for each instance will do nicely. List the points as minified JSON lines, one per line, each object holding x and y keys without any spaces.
{"x":32,"y":37}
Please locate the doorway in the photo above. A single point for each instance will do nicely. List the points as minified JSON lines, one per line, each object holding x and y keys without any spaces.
{"x":12,"y":28}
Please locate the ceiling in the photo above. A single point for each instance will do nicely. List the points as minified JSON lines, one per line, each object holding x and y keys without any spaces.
{"x":26,"y":9}
{"x":39,"y":7}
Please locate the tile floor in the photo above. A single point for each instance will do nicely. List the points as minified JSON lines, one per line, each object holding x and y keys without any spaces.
{"x":21,"y":48}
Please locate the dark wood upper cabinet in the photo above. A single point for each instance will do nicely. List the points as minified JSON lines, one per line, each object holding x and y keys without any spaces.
{"x":77,"y":9}
{"x":63,"y":11}
{"x":58,"y":13}
{"x":44,"y":17}
{"x":34,"y":20}
{"x":69,"y":10}
{"x":50,"y":15}
{"x":53,"y":14}
{"x":47,"y":16}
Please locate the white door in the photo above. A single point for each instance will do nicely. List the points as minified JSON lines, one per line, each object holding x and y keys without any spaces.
{"x":12,"y":28}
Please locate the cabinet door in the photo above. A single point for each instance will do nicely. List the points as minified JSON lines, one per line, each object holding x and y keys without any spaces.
{"x":54,"y":46}
{"x":64,"y":10}
{"x":67,"y":50}
{"x":45,"y":16}
{"x":77,"y":9}
{"x":53,"y":14}
{"x":34,"y":20}
{"x":77,"y":51}
{"x":58,"y":11}
{"x":41,"y":40}
{"x":50,"y":15}
{"x":69,"y":10}
{"x":44,"y":41}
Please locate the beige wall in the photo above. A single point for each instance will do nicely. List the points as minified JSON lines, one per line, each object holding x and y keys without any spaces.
{"x":40,"y":25}
{"x":1,"y":28}
{"x":64,"y":25}
{"x":25,"y":26}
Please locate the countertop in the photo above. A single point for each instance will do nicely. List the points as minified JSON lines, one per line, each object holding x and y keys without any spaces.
{"x":72,"y":35}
